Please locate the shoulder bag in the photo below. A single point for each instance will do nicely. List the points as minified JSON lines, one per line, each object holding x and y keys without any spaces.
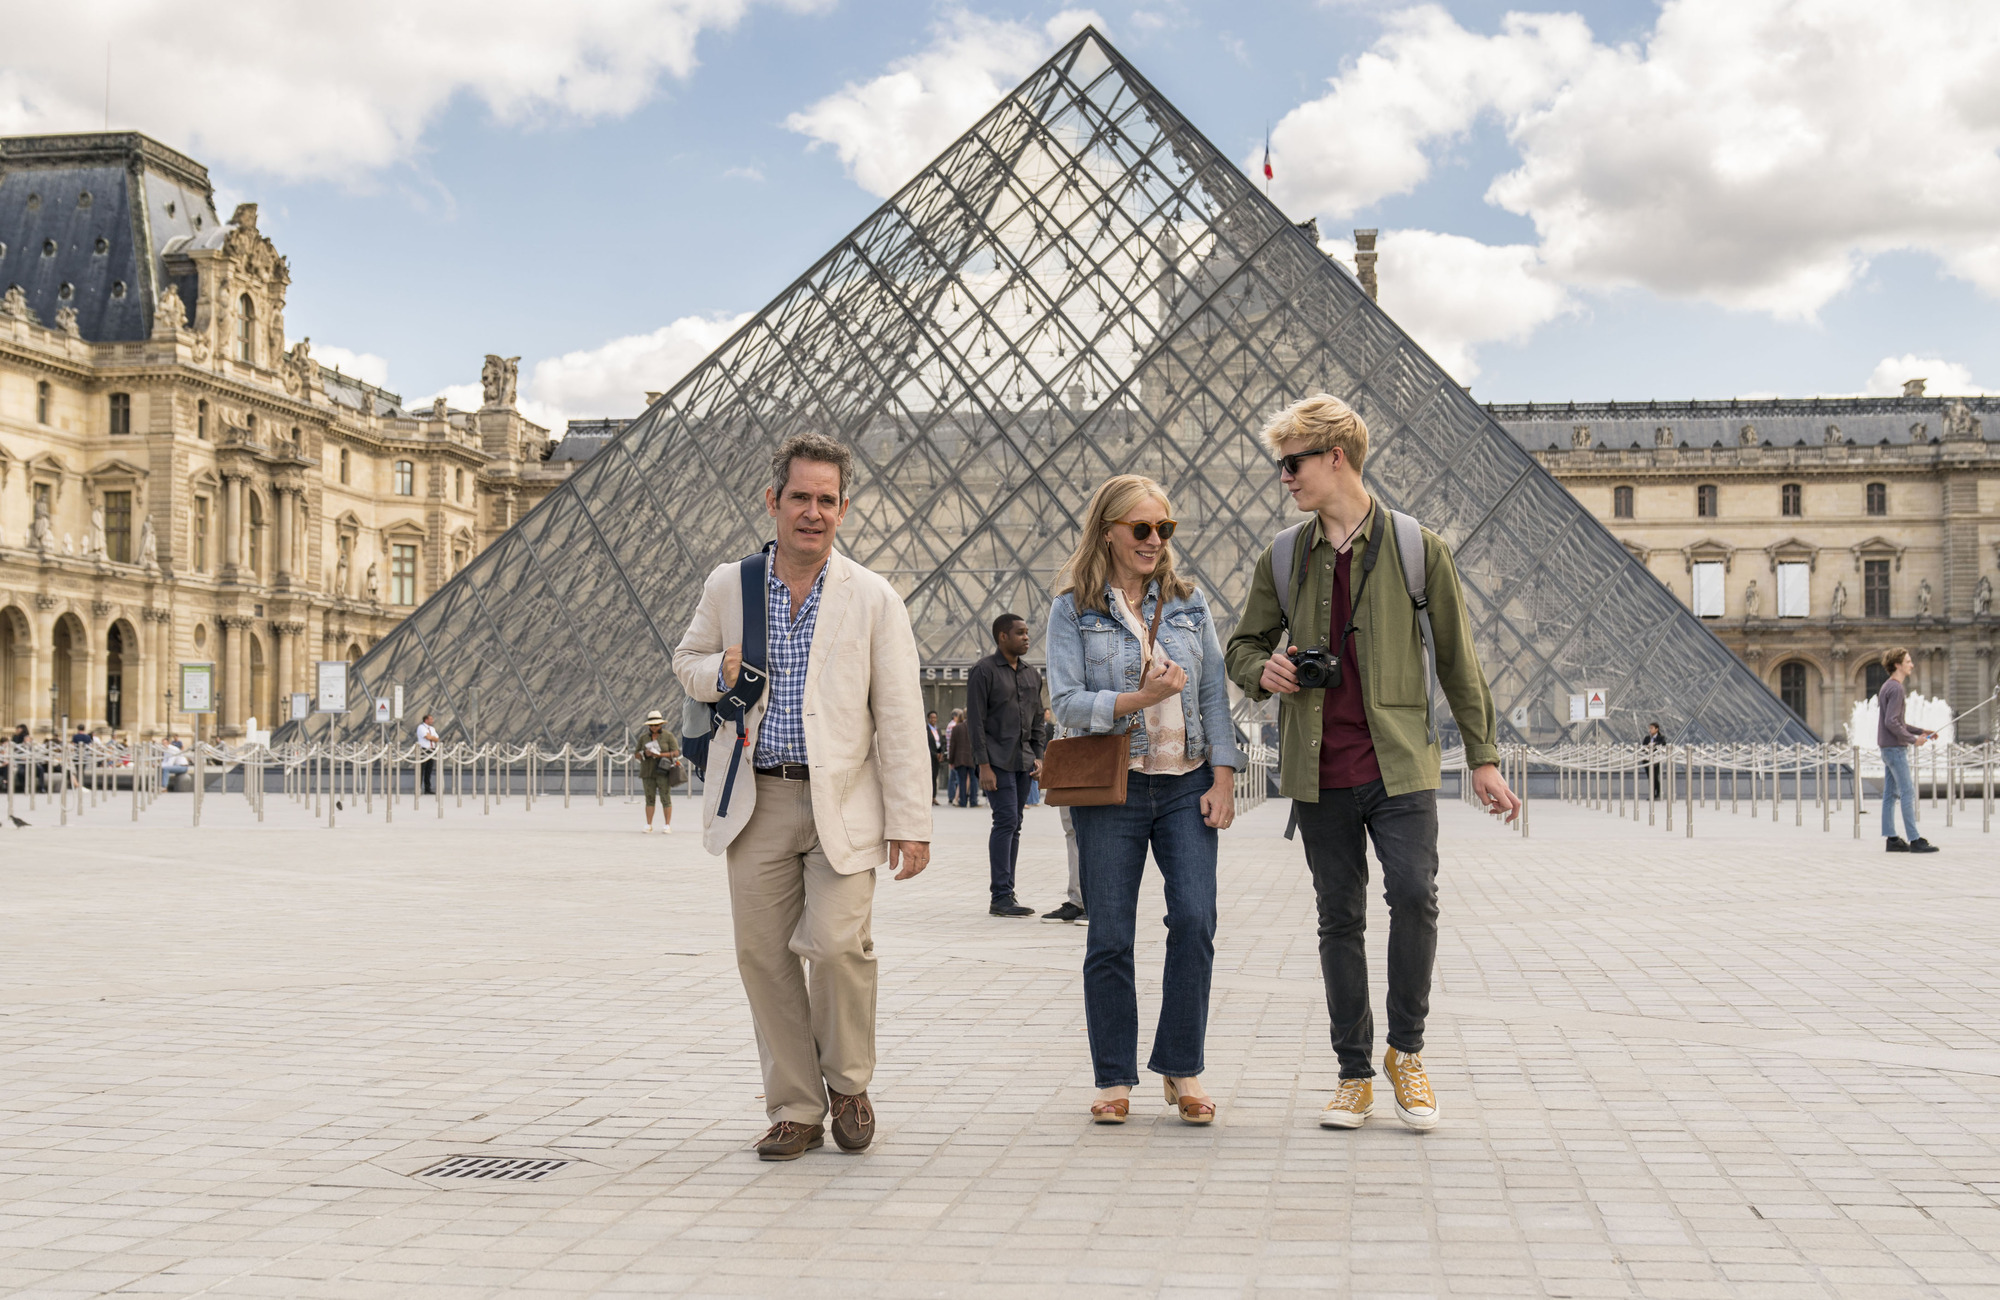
{"x":1090,"y":771}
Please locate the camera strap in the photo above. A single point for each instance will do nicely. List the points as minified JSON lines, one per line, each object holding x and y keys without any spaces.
{"x":1368,"y":559}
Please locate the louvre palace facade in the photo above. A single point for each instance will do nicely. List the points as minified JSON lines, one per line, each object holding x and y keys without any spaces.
{"x":178,"y":481}
{"x":1809,"y":535}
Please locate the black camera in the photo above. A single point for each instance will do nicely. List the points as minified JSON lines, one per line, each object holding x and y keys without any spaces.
{"x":1316,"y":669}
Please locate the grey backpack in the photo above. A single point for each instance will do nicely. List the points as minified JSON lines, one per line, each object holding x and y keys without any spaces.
{"x":1416,"y":578}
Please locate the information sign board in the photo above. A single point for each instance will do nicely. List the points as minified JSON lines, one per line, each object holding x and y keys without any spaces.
{"x":302,"y":704}
{"x":197,"y":688}
{"x":331,"y":678}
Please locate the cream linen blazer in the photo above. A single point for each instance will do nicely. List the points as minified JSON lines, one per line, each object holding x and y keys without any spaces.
{"x":864,"y":716}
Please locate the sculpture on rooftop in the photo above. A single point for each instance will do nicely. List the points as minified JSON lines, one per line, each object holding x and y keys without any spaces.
{"x":498,"y":379}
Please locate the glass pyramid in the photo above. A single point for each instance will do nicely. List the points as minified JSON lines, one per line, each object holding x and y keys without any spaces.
{"x":1081,"y":285}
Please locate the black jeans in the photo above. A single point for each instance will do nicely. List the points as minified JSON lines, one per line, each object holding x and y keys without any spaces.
{"x":1405,"y":831}
{"x":1003,"y":848}
{"x":428,"y":769}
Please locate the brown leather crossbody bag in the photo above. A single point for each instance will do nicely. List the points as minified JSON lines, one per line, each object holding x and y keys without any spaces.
{"x":1090,"y":771}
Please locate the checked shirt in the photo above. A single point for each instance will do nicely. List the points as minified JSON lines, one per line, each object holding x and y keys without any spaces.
{"x":782,"y":738}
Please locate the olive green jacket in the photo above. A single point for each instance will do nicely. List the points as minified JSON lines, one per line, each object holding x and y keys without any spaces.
{"x":1391,"y":649}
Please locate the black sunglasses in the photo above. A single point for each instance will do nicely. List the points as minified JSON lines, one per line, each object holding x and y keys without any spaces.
{"x":1141,"y":529}
{"x":1290,"y":464}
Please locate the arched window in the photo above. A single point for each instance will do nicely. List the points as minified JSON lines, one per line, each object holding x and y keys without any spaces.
{"x":1792,"y":687}
{"x":1704,"y":501}
{"x":1621,"y":503}
{"x":1792,"y":500}
{"x":121,"y":413}
{"x":201,"y":418}
{"x":1878,"y":498}
{"x":1874,"y":676}
{"x":42,"y":402}
{"x":406,"y":478}
{"x":246,"y":329}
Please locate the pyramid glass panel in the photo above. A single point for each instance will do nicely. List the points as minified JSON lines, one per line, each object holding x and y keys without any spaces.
{"x":1081,"y":285}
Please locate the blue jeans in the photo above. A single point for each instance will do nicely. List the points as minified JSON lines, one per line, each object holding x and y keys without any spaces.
{"x":1163,"y":813}
{"x":1003,"y":846}
{"x":1898,"y":783}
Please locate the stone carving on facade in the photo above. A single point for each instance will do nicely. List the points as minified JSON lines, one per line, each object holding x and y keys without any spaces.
{"x":372,"y":581}
{"x":340,"y":576}
{"x":1752,"y":602}
{"x":1833,"y":436}
{"x":149,"y":544}
{"x":1663,"y":437}
{"x":1839,"y":602}
{"x":69,"y":544}
{"x":1579,"y":437}
{"x":1982,"y":597}
{"x":15,"y":303}
{"x":170,"y":315}
{"x":42,"y":532}
{"x":1924,"y":598}
{"x":1960,"y":422}
{"x":438,"y":408}
{"x":66,"y":322}
{"x":498,"y":379}
{"x":93,"y":541}
{"x":299,"y":368}
{"x":1747,"y":436}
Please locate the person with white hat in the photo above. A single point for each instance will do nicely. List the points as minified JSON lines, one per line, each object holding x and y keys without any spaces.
{"x":659,"y":762}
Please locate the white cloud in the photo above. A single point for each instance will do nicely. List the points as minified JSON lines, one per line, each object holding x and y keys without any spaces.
{"x":1452,"y":293}
{"x":1943,"y":378}
{"x":1750,"y":153}
{"x":365,"y":366}
{"x":613,"y":380}
{"x":885,"y":130}
{"x":314,"y":90}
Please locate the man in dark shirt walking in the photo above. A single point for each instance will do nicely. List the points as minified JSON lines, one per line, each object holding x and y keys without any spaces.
{"x":1004,"y":712}
{"x":1896,"y":739}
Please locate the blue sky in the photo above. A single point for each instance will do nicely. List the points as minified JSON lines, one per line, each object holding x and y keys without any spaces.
{"x":1703,"y":203}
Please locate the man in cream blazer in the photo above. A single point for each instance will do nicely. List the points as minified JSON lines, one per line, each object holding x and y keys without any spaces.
{"x":841,"y":783}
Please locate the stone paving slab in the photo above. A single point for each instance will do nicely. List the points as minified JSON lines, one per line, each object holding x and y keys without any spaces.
{"x":1760,"y":1063}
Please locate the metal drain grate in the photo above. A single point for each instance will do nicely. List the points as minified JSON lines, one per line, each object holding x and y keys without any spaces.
{"x":512,"y":1169}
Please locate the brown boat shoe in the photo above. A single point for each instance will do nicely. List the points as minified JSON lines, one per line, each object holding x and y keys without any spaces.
{"x":785,"y":1140}
{"x":853,"y":1120}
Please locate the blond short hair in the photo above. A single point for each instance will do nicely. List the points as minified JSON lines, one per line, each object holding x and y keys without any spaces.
{"x":1321,"y":422}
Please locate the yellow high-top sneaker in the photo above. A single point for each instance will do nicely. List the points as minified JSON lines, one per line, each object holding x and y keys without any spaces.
{"x":1353,"y":1102}
{"x":1416,"y":1104}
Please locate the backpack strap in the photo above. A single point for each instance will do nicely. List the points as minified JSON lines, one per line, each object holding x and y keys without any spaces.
{"x":1416,"y":578}
{"x":754,"y":675}
{"x":1283,"y":548}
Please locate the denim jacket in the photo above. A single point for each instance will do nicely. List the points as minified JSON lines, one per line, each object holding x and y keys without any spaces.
{"x":1093,"y":657}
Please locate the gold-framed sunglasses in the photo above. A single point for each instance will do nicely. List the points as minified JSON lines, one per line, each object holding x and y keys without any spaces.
{"x":1142,"y":529}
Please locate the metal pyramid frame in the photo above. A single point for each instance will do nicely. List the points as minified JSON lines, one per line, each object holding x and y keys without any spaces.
{"x":1081,"y":285}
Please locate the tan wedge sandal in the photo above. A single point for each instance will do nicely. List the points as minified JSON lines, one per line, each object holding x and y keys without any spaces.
{"x":1194,"y":1110}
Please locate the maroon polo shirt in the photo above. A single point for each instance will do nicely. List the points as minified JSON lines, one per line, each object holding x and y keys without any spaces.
{"x":1346,"y":750}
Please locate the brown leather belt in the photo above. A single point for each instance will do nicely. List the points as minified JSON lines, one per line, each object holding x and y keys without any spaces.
{"x":787,"y":772}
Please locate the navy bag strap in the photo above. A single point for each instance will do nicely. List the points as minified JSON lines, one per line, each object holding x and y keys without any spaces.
{"x":754,"y":675}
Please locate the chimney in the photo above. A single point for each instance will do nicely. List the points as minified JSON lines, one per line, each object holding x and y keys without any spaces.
{"x":1364,"y":261}
{"x":1914,"y":387}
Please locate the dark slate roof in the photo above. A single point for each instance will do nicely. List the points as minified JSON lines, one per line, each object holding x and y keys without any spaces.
{"x":359,"y":395}
{"x":1781,"y":422}
{"x":583,"y":439}
{"x":85,"y":220}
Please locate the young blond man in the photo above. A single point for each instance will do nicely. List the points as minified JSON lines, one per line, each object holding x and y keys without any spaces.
{"x":1357,"y":755}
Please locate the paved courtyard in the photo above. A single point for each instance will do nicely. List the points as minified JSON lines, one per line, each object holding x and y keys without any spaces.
{"x":1758,"y":1063}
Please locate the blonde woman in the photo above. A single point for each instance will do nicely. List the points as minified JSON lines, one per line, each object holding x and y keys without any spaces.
{"x":1110,"y":672}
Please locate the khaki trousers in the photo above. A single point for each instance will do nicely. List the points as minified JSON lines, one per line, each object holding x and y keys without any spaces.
{"x":817,"y":1030}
